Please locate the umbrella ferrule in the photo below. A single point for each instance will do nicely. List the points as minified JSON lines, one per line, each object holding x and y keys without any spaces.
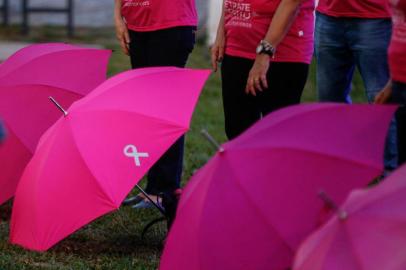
{"x":342,"y":214}
{"x":65,"y":113}
{"x":210,"y":138}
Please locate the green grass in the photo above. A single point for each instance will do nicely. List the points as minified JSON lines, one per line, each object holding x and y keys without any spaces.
{"x":114,"y":241}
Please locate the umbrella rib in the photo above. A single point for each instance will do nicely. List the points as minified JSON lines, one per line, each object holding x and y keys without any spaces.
{"x":154,"y":72}
{"x":169,"y":122}
{"x":42,"y":55}
{"x":112,"y":199}
{"x":299,"y":114}
{"x":353,"y":251}
{"x":376,"y":200}
{"x":108,"y":195}
{"x":257,"y":209}
{"x":304,"y":150}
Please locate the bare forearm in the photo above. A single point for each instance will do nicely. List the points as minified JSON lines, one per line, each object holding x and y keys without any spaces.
{"x":220,"y":28}
{"x":117,"y":9}
{"x":282,"y":20}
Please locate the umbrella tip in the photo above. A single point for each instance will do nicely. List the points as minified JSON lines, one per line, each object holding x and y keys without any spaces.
{"x":210,"y":138}
{"x":342,"y":215}
{"x":65,"y":113}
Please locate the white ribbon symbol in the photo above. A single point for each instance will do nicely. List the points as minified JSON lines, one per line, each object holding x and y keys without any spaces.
{"x":131,"y":151}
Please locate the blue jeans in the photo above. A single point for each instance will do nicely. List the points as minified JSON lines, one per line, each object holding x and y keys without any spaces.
{"x":399,"y":97}
{"x":341,"y":44}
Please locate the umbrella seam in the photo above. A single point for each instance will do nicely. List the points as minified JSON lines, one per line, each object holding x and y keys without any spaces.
{"x":96,"y":95}
{"x":300,"y":114}
{"x":169,"y":122}
{"x":319,"y":153}
{"x":47,"y":54}
{"x":255,"y":206}
{"x":112,"y":201}
{"x":353,"y":251}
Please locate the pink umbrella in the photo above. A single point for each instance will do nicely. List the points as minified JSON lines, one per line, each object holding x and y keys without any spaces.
{"x":369,"y":232}
{"x":27,"y":79}
{"x":255,"y":200}
{"x":61,"y":65}
{"x":91,"y":159}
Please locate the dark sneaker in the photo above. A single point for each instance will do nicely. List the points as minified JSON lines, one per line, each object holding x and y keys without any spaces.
{"x":133,"y":200}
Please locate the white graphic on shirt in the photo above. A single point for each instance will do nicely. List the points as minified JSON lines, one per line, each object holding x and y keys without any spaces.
{"x":136,"y":3}
{"x":132,"y":152}
{"x":399,"y":26}
{"x":240,"y":13}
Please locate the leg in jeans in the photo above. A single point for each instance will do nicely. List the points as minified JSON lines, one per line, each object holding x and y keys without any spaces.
{"x":240,"y":109}
{"x":369,"y":40}
{"x":335,"y":61}
{"x":168,"y":47}
{"x":399,"y":96}
{"x":286,"y":84}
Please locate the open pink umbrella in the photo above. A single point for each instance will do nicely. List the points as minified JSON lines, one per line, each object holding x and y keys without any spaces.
{"x":256,"y":199}
{"x":368,"y":232}
{"x":27,"y":79}
{"x":74,"y":68}
{"x":91,"y":159}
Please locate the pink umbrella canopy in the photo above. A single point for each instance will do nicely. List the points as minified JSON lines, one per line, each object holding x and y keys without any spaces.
{"x":256,"y":199}
{"x":369,"y":232}
{"x":27,"y":79}
{"x":91,"y":159}
{"x":74,"y":68}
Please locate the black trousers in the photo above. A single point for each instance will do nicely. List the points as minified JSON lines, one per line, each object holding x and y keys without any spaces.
{"x":399,"y":97}
{"x":167,"y":47}
{"x":286,"y":82}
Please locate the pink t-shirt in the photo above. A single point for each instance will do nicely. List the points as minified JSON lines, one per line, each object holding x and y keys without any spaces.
{"x":397,"y":48}
{"x":368,"y":9}
{"x":247,"y":22}
{"x":151,"y":15}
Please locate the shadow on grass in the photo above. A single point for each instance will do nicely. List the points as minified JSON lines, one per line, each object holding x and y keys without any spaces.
{"x":118,"y":234}
{"x":5,"y":211}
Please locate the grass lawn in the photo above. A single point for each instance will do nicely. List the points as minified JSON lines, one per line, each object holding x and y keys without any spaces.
{"x":114,"y":241}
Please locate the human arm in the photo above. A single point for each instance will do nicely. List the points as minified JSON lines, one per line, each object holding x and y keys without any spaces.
{"x":121,"y":28}
{"x":385,"y":94}
{"x":282,"y":20}
{"x":217,"y":50}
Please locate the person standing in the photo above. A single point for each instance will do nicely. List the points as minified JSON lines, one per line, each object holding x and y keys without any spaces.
{"x":158,"y":33}
{"x":349,"y":34}
{"x":395,"y":90}
{"x":265,"y":47}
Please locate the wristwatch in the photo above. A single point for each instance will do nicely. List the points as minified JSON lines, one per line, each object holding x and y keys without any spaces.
{"x":265,"y":47}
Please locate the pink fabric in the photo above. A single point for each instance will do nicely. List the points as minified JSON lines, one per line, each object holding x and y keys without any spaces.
{"x":151,"y":15}
{"x":251,"y":206}
{"x":355,"y":8}
{"x":27,"y":79}
{"x":373,"y":236}
{"x":397,"y":49}
{"x":87,"y":163}
{"x":247,"y":22}
{"x":69,"y":67}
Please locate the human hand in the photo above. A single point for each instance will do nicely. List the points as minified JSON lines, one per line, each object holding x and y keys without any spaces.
{"x":122,"y":35}
{"x":217,"y":51}
{"x":384,"y":95}
{"x":257,"y":77}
